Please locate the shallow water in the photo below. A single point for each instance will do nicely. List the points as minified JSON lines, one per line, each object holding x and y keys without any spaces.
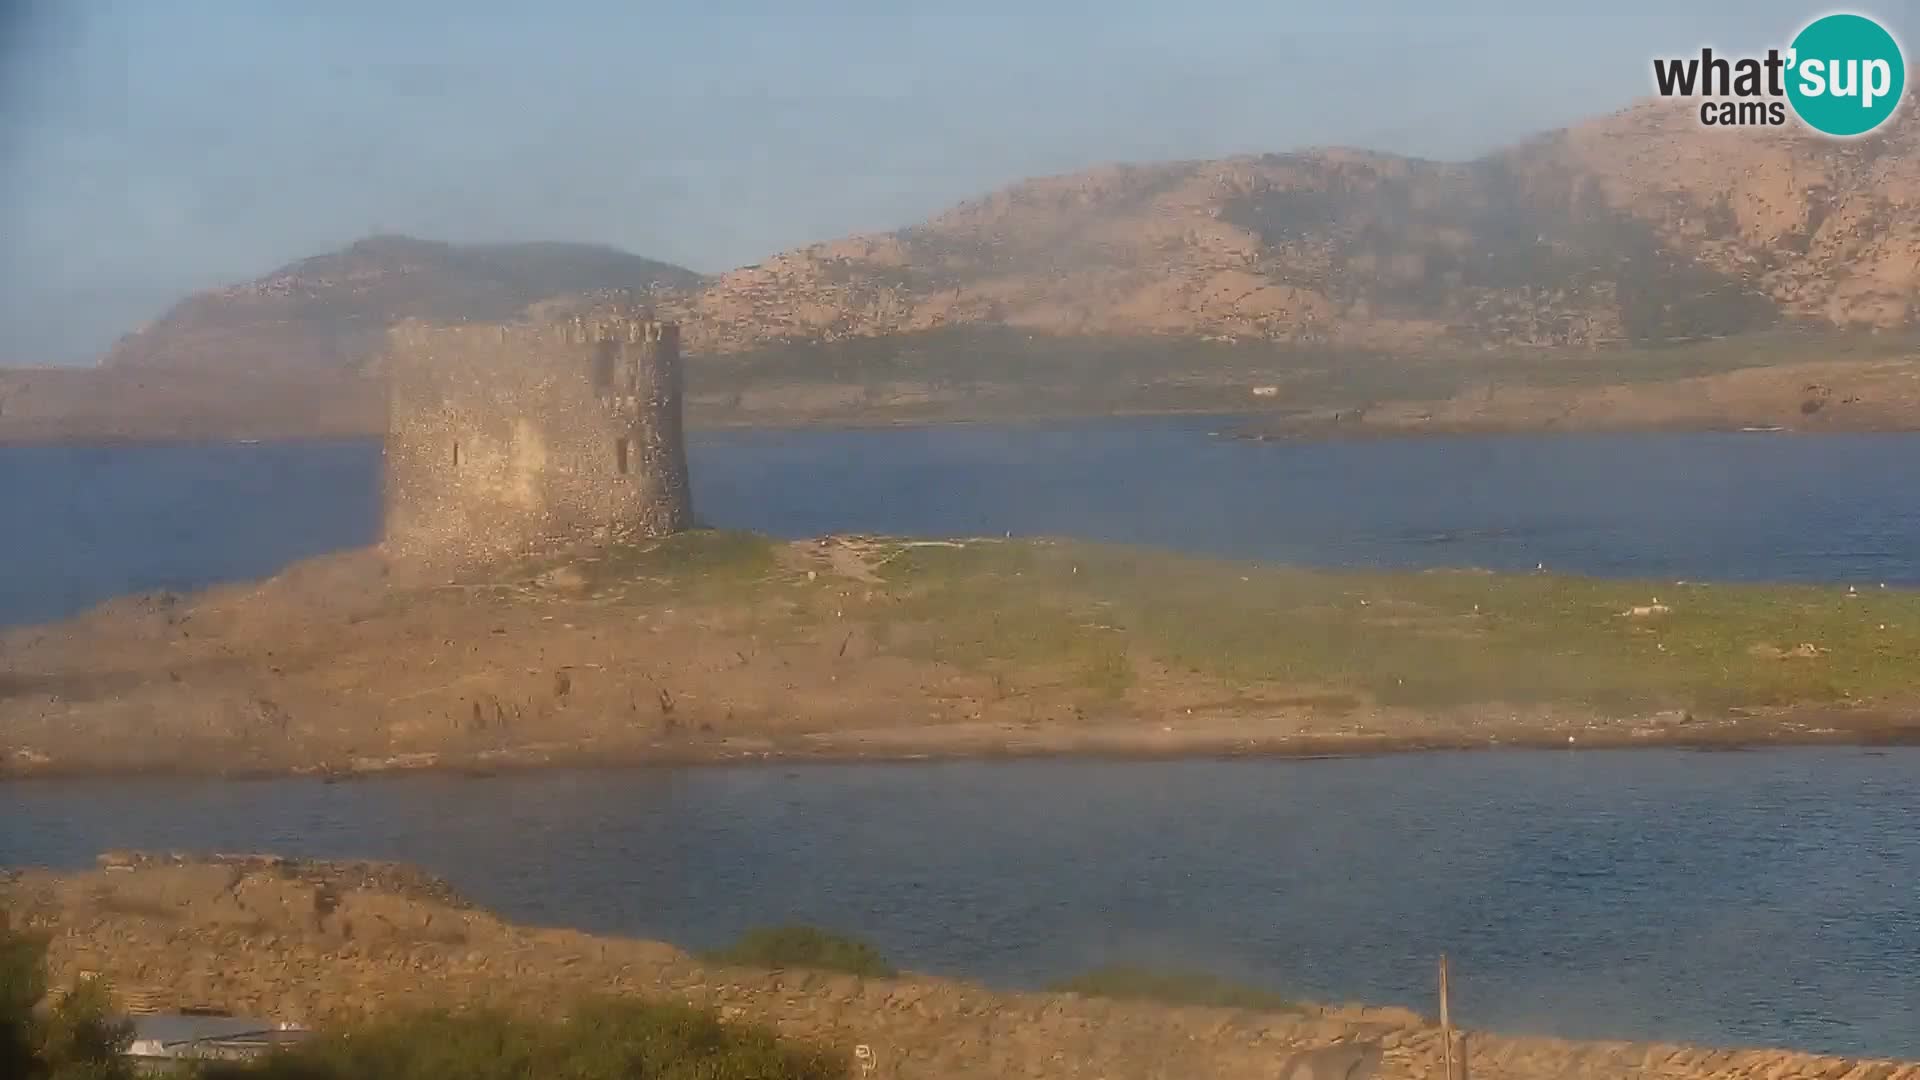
{"x":1763,"y":897}
{"x":86,"y":523}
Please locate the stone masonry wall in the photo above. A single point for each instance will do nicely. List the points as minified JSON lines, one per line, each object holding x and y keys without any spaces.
{"x":506,"y":437}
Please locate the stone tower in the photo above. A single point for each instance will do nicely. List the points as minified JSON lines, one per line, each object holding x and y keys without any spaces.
{"x":507,"y":438}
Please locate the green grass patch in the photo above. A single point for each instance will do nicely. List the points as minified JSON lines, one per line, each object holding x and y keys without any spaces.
{"x":699,"y":564}
{"x":1417,"y":639}
{"x":602,"y":1040}
{"x":998,"y":607}
{"x":1089,"y":621}
{"x":1173,"y":988}
{"x":804,"y":947}
{"x":697,"y":556}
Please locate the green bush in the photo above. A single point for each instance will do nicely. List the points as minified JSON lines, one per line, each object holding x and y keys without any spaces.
{"x":604,"y":1040}
{"x":804,"y":947}
{"x":23,"y":982}
{"x":82,"y":1040}
{"x":77,"y":1039}
{"x":1173,"y":988}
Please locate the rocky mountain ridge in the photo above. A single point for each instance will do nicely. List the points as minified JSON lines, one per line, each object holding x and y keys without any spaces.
{"x":331,"y":312}
{"x":1639,"y":227}
{"x":1642,"y":226}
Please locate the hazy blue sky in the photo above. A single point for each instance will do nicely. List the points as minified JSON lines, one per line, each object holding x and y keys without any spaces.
{"x":153,"y":147}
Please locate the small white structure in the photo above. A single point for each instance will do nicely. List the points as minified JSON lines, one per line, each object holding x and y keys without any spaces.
{"x":164,"y":1040}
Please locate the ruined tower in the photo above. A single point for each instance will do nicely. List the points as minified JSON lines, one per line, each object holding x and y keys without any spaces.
{"x":510,"y":437}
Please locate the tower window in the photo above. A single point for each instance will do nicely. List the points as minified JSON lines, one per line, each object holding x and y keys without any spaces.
{"x":620,"y":455}
{"x":604,"y":356}
{"x":456,"y":453}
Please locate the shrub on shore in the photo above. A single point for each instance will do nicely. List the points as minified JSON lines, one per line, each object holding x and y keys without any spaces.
{"x":1173,"y":988}
{"x":804,"y":947}
{"x":75,"y":1039}
{"x":602,"y":1040}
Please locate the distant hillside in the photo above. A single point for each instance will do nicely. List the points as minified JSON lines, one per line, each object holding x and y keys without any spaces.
{"x":328,"y":313}
{"x":1639,"y":227}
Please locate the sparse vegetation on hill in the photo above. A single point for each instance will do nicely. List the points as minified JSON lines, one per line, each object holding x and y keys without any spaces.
{"x":1635,"y":228}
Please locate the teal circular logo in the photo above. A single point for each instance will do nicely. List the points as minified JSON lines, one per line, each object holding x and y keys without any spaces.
{"x":1846,"y":75}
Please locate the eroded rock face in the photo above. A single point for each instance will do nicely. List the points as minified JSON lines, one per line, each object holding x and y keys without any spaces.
{"x":317,"y":942}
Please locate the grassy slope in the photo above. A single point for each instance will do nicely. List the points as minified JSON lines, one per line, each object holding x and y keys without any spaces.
{"x":1092,"y":614}
{"x":1428,"y":638}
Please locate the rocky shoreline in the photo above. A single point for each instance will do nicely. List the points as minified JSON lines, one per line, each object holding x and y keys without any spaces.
{"x":1802,"y":397}
{"x":1137,"y":742}
{"x":320,"y":942}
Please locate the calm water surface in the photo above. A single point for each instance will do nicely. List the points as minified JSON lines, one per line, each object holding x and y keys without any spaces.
{"x":1764,"y":897}
{"x":83,"y":524}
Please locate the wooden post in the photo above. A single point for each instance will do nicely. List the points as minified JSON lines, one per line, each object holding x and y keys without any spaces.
{"x":1446,"y":1021}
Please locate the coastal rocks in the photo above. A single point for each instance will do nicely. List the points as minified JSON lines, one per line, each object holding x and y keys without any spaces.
{"x":1642,"y":611}
{"x":1806,"y":650}
{"x":565,"y":579}
{"x":388,"y":878}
